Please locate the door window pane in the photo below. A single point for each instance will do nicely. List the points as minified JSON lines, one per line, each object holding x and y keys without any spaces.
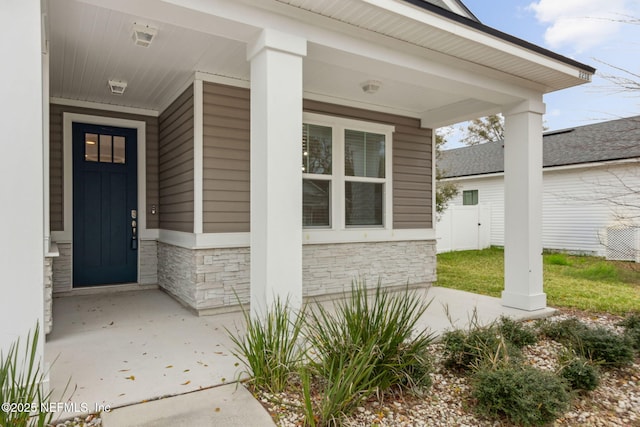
{"x":316,"y":149}
{"x":363,"y":203}
{"x":364,"y":154}
{"x":118,"y":149}
{"x":90,"y":147}
{"x":316,"y":207}
{"x":105,"y":149}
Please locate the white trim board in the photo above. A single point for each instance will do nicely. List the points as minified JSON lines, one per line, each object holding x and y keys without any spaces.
{"x":104,"y":107}
{"x":309,"y":237}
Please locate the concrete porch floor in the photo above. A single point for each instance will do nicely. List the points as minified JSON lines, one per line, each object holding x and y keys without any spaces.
{"x":118,"y":349}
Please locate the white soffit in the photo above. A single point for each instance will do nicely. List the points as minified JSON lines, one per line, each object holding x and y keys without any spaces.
{"x":413,"y":25}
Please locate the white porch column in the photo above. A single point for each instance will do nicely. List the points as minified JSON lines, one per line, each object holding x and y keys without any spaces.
{"x":523,"y":207}
{"x":21,"y":175}
{"x":276,"y":174}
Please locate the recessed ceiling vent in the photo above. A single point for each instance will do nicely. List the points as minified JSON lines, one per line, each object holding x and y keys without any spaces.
{"x":143,"y":35}
{"x":117,"y":87}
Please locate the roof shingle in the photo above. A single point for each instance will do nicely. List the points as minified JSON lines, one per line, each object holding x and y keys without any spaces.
{"x":606,"y":141}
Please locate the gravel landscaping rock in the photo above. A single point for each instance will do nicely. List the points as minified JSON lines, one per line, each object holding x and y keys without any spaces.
{"x":616,"y":401}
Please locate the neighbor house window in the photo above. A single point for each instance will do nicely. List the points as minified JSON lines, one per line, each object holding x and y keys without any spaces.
{"x":470,"y":197}
{"x":345,"y":167}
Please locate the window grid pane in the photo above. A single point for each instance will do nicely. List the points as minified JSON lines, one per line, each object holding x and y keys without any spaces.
{"x":316,"y":149}
{"x":90,"y":147}
{"x":364,"y":203}
{"x":119,"y":149}
{"x":364,"y":154}
{"x":105,"y":149}
{"x":316,"y":203}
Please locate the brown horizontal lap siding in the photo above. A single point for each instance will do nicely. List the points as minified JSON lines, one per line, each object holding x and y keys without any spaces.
{"x":56,"y":165}
{"x":226,"y":140}
{"x":176,"y":164}
{"x":412,"y":162}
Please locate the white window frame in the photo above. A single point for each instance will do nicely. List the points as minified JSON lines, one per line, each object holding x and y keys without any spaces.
{"x":337,"y":203}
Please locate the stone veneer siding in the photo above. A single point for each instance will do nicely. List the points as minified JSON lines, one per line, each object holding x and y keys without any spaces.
{"x":330,"y":269}
{"x":62,"y":269}
{"x":210,"y":279}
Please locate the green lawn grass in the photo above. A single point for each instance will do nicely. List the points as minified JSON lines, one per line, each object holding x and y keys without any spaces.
{"x":581,"y":282}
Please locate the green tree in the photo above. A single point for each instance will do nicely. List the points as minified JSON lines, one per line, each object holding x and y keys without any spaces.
{"x":484,"y":129}
{"x":445,"y":191}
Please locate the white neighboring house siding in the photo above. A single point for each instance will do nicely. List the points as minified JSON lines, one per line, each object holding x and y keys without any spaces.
{"x":576,"y":203}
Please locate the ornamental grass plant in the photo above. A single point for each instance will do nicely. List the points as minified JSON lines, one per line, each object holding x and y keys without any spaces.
{"x":271,"y":348}
{"x":21,"y":385}
{"x":367,"y":345}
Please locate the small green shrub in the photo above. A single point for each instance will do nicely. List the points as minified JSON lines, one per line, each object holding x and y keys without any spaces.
{"x":556,"y":259}
{"x":271,"y":347}
{"x":564,"y":331}
{"x":580,"y":374}
{"x":526,"y":396}
{"x":21,"y":384}
{"x":599,"y":344}
{"x":465,"y":351}
{"x":516,"y":333}
{"x":606,"y":347}
{"x":494,"y":344}
{"x":631,"y":325}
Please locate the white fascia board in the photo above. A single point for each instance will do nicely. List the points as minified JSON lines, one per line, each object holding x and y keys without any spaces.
{"x":472,"y":34}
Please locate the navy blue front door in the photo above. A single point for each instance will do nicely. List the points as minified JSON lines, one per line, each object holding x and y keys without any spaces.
{"x":104,"y":205}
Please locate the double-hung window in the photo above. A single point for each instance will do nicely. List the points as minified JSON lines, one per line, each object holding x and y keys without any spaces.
{"x":346,"y":167}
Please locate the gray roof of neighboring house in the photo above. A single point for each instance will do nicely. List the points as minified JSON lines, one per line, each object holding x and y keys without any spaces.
{"x":606,"y":141}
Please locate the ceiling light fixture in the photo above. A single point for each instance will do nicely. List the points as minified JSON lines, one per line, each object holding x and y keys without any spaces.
{"x":143,"y":35}
{"x":117,"y":87}
{"x":371,"y":86}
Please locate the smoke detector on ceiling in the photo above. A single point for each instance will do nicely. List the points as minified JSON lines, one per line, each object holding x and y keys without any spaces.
{"x":143,"y":35}
{"x":371,"y":86}
{"x":117,"y":87}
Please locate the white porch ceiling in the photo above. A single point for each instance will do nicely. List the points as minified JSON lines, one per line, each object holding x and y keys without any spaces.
{"x":90,"y":44}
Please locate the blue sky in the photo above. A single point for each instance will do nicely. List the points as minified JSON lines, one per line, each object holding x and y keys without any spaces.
{"x":585,"y":30}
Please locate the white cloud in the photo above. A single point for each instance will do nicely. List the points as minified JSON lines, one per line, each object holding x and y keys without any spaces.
{"x":580,"y":24}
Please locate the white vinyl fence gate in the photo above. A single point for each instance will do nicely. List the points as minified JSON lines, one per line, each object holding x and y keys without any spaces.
{"x":464,"y":228}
